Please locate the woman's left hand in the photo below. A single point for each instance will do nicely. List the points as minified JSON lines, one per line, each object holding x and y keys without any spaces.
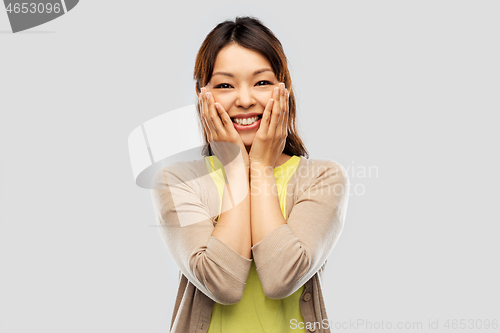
{"x":270,"y":138}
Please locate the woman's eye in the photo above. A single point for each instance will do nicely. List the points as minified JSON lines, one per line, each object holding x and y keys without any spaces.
{"x":223,"y":86}
{"x":265,"y":82}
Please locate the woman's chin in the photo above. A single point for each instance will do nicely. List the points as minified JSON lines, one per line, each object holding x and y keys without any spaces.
{"x":247,"y":141}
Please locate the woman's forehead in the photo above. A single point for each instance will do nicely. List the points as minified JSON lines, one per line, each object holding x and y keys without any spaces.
{"x":237,"y":60}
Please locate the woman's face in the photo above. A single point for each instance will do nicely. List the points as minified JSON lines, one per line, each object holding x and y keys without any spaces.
{"x":242,"y":82}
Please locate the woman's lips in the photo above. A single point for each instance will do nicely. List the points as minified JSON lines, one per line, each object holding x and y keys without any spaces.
{"x":247,"y":127}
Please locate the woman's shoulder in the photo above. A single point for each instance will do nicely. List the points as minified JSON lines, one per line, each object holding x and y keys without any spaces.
{"x":181,"y":171}
{"x":319,"y":173}
{"x":320,"y":180}
{"x":320,"y":167}
{"x":186,"y":167}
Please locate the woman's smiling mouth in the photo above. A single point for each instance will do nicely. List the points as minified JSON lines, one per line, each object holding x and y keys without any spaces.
{"x":243,"y":122}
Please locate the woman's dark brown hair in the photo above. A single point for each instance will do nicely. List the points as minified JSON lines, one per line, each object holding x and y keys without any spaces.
{"x":250,"y":33}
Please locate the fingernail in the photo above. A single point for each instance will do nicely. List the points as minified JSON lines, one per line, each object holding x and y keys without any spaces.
{"x":277,"y":90}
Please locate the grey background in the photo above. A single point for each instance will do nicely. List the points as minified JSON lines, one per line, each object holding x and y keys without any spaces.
{"x":408,"y":87}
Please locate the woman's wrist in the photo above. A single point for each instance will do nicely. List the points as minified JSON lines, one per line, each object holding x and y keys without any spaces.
{"x":257,"y":169}
{"x":235,"y":171}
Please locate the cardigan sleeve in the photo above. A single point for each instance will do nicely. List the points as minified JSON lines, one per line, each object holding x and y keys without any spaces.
{"x":208,"y":263}
{"x":293,"y":252}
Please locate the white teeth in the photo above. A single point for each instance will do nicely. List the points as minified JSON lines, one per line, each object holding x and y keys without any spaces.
{"x":245,"y":121}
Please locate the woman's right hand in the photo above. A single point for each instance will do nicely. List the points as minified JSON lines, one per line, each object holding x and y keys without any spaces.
{"x":220,"y":130}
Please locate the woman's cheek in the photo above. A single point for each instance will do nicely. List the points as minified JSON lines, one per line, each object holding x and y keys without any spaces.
{"x":264,"y":96}
{"x":263,"y":100}
{"x":223,"y":100}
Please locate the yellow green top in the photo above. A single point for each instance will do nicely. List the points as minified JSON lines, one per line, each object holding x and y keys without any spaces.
{"x":256,"y":312}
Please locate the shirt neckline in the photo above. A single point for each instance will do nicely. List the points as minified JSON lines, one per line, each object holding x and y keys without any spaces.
{"x":287,"y":163}
{"x":291,"y":160}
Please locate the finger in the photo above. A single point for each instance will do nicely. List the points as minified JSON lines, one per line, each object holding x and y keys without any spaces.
{"x":202,"y":116}
{"x":266,"y":116}
{"x":214,"y":115}
{"x":211,"y":130}
{"x":282,"y":107}
{"x":282,"y":96}
{"x":224,"y":117}
{"x":275,"y":113}
{"x":210,"y":118}
{"x":287,"y":111}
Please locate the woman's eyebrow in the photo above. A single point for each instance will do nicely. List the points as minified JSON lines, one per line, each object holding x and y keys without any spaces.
{"x":254,"y":73}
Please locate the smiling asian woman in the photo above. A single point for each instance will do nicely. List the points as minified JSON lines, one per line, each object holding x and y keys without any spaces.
{"x":255,"y":265}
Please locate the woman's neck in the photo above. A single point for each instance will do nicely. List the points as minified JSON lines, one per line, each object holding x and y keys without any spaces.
{"x":281,"y":159}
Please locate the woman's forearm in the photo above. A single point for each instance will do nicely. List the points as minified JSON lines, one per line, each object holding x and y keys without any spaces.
{"x":233,"y":227}
{"x":265,"y":210}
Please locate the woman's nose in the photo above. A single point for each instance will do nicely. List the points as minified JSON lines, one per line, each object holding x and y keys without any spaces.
{"x":245,"y":98}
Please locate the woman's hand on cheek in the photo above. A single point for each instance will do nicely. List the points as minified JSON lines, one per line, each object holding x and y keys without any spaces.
{"x":220,"y":130}
{"x":270,"y":138}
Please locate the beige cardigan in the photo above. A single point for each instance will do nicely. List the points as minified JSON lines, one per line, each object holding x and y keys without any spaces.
{"x":290,"y":256}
